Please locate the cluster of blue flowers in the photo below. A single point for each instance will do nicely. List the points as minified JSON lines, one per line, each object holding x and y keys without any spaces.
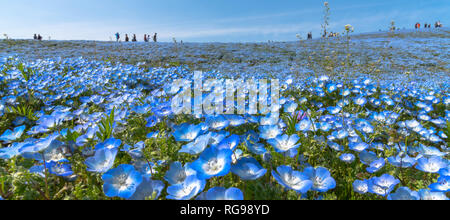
{"x":373,"y":134}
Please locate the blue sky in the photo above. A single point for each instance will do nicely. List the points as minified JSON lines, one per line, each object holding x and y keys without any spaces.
{"x":208,"y":20}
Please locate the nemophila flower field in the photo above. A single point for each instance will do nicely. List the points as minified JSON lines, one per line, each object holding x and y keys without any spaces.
{"x":86,"y":128}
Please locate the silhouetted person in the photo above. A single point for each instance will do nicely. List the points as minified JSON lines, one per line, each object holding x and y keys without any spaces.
{"x":39,"y":37}
{"x":127,"y":39}
{"x":117,"y":37}
{"x":155,"y":38}
{"x":145,"y":38}
{"x":35,"y":37}
{"x":134,"y":38}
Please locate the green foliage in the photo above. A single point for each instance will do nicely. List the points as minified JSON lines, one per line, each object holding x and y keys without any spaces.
{"x":106,"y":126}
{"x":291,"y":122}
{"x":23,"y":110}
{"x":26,"y":73}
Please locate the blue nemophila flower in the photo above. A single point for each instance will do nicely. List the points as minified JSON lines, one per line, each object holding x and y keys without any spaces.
{"x":197,"y":146}
{"x":237,"y":154}
{"x":146,"y":168}
{"x":382,"y":185}
{"x":364,"y":126}
{"x":291,"y":179}
{"x":186,"y":190}
{"x":431,"y":165}
{"x":229,"y":143}
{"x":445,"y":171}
{"x":335,"y":146}
{"x":37,"y":169}
{"x":334,"y":110}
{"x":177,"y":173}
{"x":148,"y":189}
{"x":331,"y":87}
{"x":426,"y":194}
{"x":152,"y":135}
{"x":111,"y":143}
{"x":248,"y":168}
{"x":290,"y":153}
{"x":136,"y":151}
{"x":269,"y":131}
{"x":216,"y":138}
{"x":430,"y":151}
{"x":102,"y":161}
{"x":39,"y":145}
{"x":361,"y":186}
{"x":411,"y":124}
{"x":235,"y":120}
{"x":256,"y":148}
{"x":360,"y":100}
{"x":213,"y":162}
{"x":376,"y":165}
{"x":121,"y":181}
{"x":9,"y":136}
{"x":59,"y":169}
{"x":358,"y":146}
{"x":187,"y":132}
{"x":304,"y":125}
{"x":324,"y":126}
{"x":12,"y":151}
{"x":442,"y":185}
{"x":152,"y":121}
{"x":283,"y":143}
{"x":290,"y":107}
{"x":367,"y":157}
{"x":218,"y":122}
{"x":321,"y":178}
{"x":221,"y":193}
{"x":402,"y":162}
{"x":90,"y":134}
{"x":37,"y":130}
{"x":340,"y":134}
{"x":404,"y":193}
{"x":348,"y":158}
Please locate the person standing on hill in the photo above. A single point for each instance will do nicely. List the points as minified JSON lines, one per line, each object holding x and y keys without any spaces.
{"x":117,"y":36}
{"x":35,"y":37}
{"x":155,"y":38}
{"x":134,"y":38}
{"x":145,"y":38}
{"x":127,"y":39}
